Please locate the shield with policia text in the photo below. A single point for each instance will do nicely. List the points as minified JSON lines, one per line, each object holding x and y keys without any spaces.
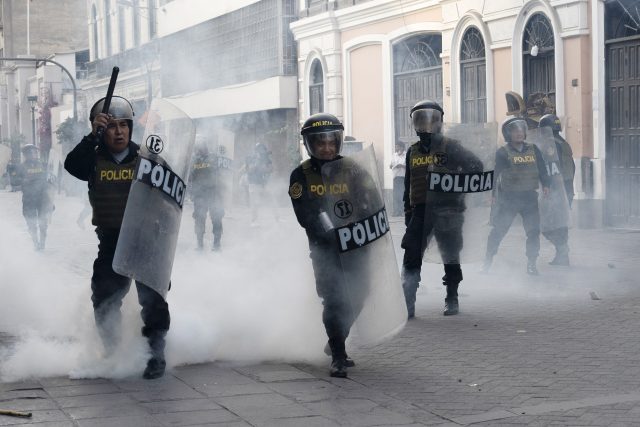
{"x":149,"y":233}
{"x":458,"y":195}
{"x":554,"y":207}
{"x":355,"y":209}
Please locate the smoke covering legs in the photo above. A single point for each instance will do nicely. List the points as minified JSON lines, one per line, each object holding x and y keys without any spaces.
{"x":109,"y":288}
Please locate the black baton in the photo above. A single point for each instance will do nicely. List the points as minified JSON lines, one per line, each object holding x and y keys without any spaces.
{"x":107,"y":99}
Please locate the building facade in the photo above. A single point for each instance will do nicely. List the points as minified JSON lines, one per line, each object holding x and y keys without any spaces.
{"x":369,"y":61}
{"x":231,"y":66}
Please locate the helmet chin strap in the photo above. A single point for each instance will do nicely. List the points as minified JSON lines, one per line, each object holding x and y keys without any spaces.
{"x":425,"y":138}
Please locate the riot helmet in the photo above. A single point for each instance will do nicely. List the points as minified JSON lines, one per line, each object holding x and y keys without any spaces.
{"x":427,"y":117}
{"x":119,"y":109}
{"x":552,"y":121}
{"x":513,"y":124}
{"x":322,"y":135}
{"x":30,"y":151}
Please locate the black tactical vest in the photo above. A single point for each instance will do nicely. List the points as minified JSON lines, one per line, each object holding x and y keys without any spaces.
{"x":420,"y":164}
{"x":316,"y":188}
{"x":109,"y":192}
{"x":522,"y":174}
{"x":34,"y":179}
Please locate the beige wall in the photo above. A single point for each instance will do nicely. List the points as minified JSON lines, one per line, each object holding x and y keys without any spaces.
{"x":366,"y":96}
{"x":578,"y":124}
{"x":502,"y":82}
{"x":385,"y":27}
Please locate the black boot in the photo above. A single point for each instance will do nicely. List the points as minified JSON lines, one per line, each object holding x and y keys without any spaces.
{"x":348,"y":362}
{"x":451,"y":306}
{"x":410,"y":284}
{"x":338,"y":357}
{"x":216,"y":244}
{"x":338,"y":368}
{"x":532,"y":269}
{"x":562,"y":256}
{"x":156,"y":363}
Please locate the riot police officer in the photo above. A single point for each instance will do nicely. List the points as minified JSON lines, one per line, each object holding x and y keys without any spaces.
{"x":560,"y":236}
{"x":108,"y":166}
{"x":519,"y":171}
{"x":433,"y":214}
{"x":207,"y":195}
{"x":342,"y":302}
{"x":37,"y":204}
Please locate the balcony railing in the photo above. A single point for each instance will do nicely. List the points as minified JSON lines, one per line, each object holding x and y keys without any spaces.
{"x":315,"y":7}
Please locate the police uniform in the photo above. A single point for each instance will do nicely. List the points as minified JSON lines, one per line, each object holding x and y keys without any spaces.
{"x":342,"y":302}
{"x":207,"y":197}
{"x":519,"y":174}
{"x":433,"y":214}
{"x":109,"y":183}
{"x":36,"y":200}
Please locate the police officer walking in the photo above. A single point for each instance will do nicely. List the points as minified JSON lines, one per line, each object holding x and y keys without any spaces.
{"x":519,"y":171}
{"x":37,"y":205}
{"x":560,"y":236}
{"x":207,"y":195}
{"x":430,"y":214}
{"x":342,"y":301}
{"x":108,"y":167}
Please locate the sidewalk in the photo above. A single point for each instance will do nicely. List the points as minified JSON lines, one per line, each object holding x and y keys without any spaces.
{"x":559,"y":349}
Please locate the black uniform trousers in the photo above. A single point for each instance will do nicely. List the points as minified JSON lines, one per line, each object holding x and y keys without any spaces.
{"x":208,"y":204}
{"x":508,"y":205}
{"x":109,"y":288}
{"x":343,"y":290}
{"x":445,"y":223}
{"x":36,"y":210}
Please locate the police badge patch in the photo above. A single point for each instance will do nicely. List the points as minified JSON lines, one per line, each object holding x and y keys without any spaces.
{"x":295,"y":191}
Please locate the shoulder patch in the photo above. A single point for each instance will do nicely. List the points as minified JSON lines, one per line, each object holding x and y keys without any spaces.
{"x":295,"y":191}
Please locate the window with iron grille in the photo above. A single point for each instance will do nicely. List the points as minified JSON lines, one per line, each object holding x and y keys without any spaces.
{"x":417,"y":75}
{"x":538,"y":57}
{"x":473,"y":77}
{"x":316,"y":88}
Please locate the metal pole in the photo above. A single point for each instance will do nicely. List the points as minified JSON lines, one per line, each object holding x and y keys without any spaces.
{"x":73,"y":82}
{"x":33,"y":124}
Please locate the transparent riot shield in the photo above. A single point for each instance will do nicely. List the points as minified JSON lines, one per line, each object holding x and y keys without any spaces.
{"x":459,"y":194}
{"x":356,"y":212}
{"x":149,"y":233}
{"x":554,"y":207}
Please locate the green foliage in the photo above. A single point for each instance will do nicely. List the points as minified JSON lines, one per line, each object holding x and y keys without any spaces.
{"x":70,"y":132}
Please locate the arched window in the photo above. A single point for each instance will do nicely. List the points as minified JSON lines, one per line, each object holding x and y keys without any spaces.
{"x":121,"y":29}
{"x":153,"y":24}
{"x":136,"y":22}
{"x":473,"y":77}
{"x":107,"y":25}
{"x":622,"y":19}
{"x":538,"y":57}
{"x":94,"y":32}
{"x":417,"y":75}
{"x":316,"y":88}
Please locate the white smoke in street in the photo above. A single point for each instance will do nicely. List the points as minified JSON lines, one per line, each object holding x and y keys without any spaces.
{"x":254,"y":301}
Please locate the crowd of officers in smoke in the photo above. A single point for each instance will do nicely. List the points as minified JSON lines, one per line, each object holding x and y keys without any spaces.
{"x":93,"y":159}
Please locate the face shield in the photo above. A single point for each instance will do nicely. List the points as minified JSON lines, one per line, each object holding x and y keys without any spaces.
{"x":324,"y":145}
{"x":427,"y":121}
{"x":516,"y":131}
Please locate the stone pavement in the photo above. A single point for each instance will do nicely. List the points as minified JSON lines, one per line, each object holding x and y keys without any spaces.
{"x":559,"y":349}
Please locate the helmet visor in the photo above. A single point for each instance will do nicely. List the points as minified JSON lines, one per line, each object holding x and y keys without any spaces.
{"x":324,"y":145}
{"x":427,"y":121}
{"x":516,"y":131}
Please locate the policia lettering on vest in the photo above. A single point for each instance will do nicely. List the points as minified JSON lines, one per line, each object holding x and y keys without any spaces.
{"x":520,"y":169}
{"x":434,"y":202}
{"x":108,"y":167}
